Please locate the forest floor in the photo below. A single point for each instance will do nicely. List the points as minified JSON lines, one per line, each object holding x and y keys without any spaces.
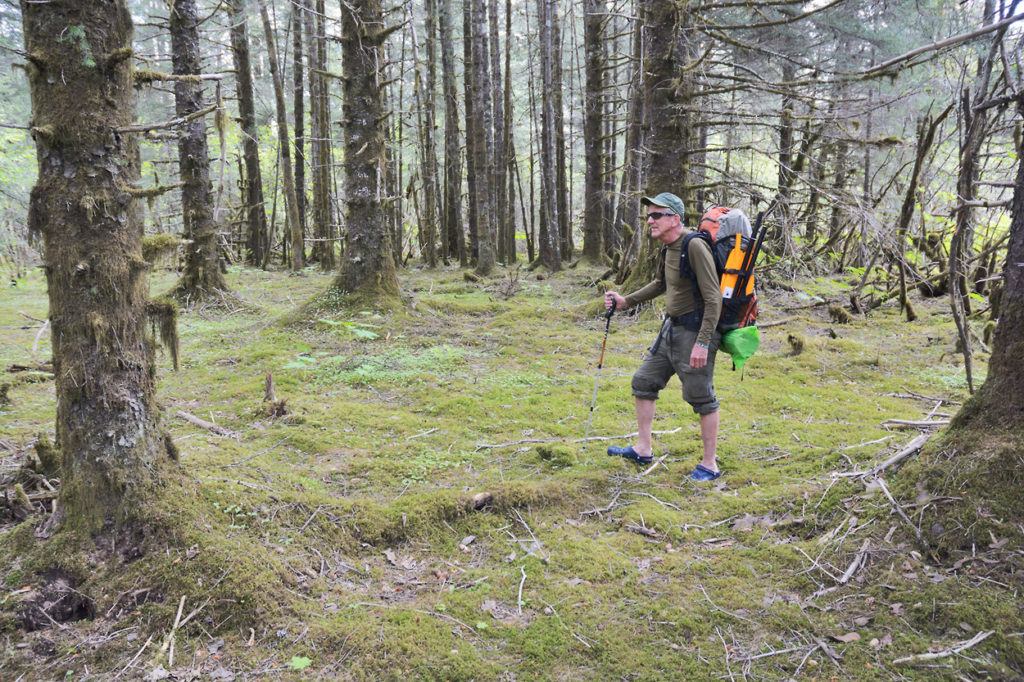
{"x":421,"y":504}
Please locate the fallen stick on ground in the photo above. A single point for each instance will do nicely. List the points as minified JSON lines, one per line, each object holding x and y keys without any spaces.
{"x":209,"y":426}
{"x":962,"y":646}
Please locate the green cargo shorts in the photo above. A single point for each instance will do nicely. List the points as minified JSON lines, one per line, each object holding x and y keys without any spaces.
{"x":673,"y":357}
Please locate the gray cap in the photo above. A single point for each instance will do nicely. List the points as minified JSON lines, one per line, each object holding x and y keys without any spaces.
{"x":666,"y":200}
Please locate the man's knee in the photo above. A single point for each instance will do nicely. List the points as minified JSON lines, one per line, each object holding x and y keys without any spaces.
{"x":705,"y":408}
{"x":646,"y":387}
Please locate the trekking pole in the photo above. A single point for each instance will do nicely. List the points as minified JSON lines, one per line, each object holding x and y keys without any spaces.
{"x":751,"y":256}
{"x":600,"y":363}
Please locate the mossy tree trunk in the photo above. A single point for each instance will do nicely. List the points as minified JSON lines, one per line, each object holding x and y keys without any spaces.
{"x":668,"y":85}
{"x":999,"y":403}
{"x":201,"y":276}
{"x":257,"y":237}
{"x":107,"y":423}
{"x":367,"y":267}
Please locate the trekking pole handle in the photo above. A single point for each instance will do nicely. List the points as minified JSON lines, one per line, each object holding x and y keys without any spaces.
{"x":611,"y":311}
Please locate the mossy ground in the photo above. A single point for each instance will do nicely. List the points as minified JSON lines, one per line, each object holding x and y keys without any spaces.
{"x":341,"y":540}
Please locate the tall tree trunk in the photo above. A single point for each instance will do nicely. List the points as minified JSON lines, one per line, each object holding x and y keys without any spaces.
{"x":976,"y":125}
{"x":669,"y":87}
{"x":508,"y":158}
{"x":473,"y":173}
{"x":298,"y":256}
{"x":256,"y":242}
{"x":451,"y":214}
{"x":566,"y":246}
{"x":299,"y":109}
{"x":593,"y":126}
{"x":781,"y":240}
{"x":550,"y":239}
{"x":428,"y":147}
{"x":320,"y":147}
{"x":668,"y":93}
{"x":201,"y":276}
{"x":368,"y":267}
{"x":498,"y":102}
{"x":611,"y":238}
{"x":113,"y":448}
{"x":1000,"y":400}
{"x":483,"y":146}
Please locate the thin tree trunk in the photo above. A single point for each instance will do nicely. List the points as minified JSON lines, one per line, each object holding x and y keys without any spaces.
{"x":454,"y":243}
{"x":566,"y":246}
{"x":483,"y":128}
{"x":426,"y":79}
{"x":291,"y":202}
{"x":201,"y":276}
{"x":550,"y":238}
{"x":508,"y":160}
{"x":257,"y":238}
{"x":498,"y":101}
{"x":593,"y":127}
{"x":299,"y":10}
{"x":320,"y":147}
{"x":473,"y":172}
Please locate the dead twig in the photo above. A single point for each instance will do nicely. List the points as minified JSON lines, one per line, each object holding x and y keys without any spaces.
{"x":209,"y":426}
{"x":962,"y":646}
{"x":903,"y":514}
{"x":911,"y":424}
{"x":527,"y":441}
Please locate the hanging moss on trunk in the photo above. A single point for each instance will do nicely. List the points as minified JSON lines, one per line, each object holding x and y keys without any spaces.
{"x":163,"y":320}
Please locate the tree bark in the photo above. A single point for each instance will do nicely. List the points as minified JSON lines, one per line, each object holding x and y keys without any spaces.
{"x":291,"y":205}
{"x":299,"y":10}
{"x":549,"y":245}
{"x":483,"y":144}
{"x":566,"y":246}
{"x":593,"y":127}
{"x":256,"y":241}
{"x":999,"y":402}
{"x":500,"y":220}
{"x":427,"y":79}
{"x":451,"y":215}
{"x":368,"y":267}
{"x":113,"y":448}
{"x":320,"y":147}
{"x":201,"y":276}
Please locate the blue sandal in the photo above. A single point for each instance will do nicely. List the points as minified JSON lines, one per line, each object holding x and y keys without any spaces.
{"x":702,"y":473}
{"x":630,"y":454}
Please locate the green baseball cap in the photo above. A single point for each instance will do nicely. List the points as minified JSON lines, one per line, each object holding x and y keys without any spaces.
{"x":666,"y":200}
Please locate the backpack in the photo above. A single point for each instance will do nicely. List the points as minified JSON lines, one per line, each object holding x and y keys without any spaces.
{"x":734,"y":247}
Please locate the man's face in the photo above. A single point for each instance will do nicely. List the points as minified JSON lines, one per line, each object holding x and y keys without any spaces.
{"x":663,"y":222}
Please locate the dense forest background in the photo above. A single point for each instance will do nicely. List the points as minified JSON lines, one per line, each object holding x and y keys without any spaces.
{"x":534,"y":127}
{"x":321,"y":284}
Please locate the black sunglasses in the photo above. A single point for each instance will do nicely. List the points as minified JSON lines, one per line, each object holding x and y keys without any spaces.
{"x":656,"y":215}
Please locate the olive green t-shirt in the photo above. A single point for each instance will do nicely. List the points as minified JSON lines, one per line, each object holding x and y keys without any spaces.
{"x":679,"y":291}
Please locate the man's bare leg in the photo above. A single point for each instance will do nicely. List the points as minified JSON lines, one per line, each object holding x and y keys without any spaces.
{"x":644,"y":422}
{"x":708,"y":437}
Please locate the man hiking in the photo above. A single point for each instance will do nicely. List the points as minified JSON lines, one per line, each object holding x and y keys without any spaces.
{"x":687,"y":341}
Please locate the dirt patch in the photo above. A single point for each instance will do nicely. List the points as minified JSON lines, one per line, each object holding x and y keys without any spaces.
{"x":53,"y":602}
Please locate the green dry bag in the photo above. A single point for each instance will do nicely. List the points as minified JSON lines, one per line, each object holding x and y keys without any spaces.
{"x":740,"y":344}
